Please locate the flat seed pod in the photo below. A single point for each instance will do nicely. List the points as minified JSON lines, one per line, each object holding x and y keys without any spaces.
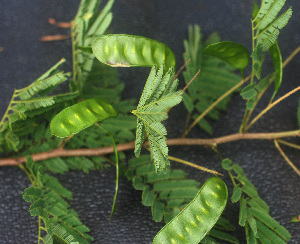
{"x":122,"y":50}
{"x":198,"y":217}
{"x":73,"y":119}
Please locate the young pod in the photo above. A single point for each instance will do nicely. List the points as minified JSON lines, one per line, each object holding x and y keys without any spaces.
{"x":198,"y":217}
{"x":122,"y":50}
{"x":74,"y":119}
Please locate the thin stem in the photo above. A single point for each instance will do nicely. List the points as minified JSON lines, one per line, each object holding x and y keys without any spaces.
{"x":64,"y":141}
{"x":27,"y":173}
{"x":43,"y":228}
{"x":181,"y":68}
{"x":293,"y":54}
{"x":39,"y":236}
{"x":244,"y":122}
{"x":289,"y":144}
{"x":74,"y":53}
{"x":253,"y":47}
{"x":289,"y":58}
{"x":193,"y":165}
{"x":183,"y":90}
{"x":271,"y":106}
{"x":8,"y":109}
{"x":130,"y":145}
{"x":226,"y":94}
{"x":286,"y":158}
{"x":231,"y":177}
{"x":258,"y":99}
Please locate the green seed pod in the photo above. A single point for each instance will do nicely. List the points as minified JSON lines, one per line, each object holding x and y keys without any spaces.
{"x":198,"y":217}
{"x":128,"y":51}
{"x":73,"y":119}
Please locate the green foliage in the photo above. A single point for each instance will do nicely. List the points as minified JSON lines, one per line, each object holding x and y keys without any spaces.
{"x":171,"y":191}
{"x":254,"y":212}
{"x":113,"y":209}
{"x":121,"y":50}
{"x":32,"y":101}
{"x":266,"y":26}
{"x":233,"y":53}
{"x":168,"y":193}
{"x":88,"y":24}
{"x":48,"y":201}
{"x":216,"y":77}
{"x":198,"y":217}
{"x":25,"y":127}
{"x":80,"y":116}
{"x":277,"y":61}
{"x":159,"y":95}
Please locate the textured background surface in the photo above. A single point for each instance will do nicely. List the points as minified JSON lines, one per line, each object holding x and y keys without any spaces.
{"x":24,"y":58}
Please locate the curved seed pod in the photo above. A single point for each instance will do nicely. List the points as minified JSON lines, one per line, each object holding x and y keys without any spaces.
{"x":198,"y":217}
{"x":73,"y":119}
{"x":128,"y":51}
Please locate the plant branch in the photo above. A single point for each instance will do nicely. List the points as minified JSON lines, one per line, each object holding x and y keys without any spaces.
{"x":258,"y":99}
{"x":289,"y":58}
{"x":183,"y":90}
{"x":59,"y":152}
{"x":215,"y":103}
{"x":181,"y":68}
{"x":286,"y":158}
{"x":293,"y":54}
{"x":271,"y":106}
{"x":289,"y":144}
{"x":193,"y":165}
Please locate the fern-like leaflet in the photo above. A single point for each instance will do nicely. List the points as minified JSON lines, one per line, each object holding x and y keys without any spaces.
{"x":265,"y":27}
{"x":47,"y":197}
{"x":216,"y":78}
{"x":86,"y":27}
{"x":254,"y":212}
{"x":167,"y":194}
{"x":31,"y":101}
{"x":159,"y":95}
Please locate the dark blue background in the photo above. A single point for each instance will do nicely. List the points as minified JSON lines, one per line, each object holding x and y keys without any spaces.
{"x":25,"y":58}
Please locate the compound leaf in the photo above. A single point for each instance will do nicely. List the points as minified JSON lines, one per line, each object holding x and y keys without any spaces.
{"x":216,"y":78}
{"x":158,"y":97}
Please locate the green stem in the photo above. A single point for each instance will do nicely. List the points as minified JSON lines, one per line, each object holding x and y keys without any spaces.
{"x":117,"y":169}
{"x":256,"y":102}
{"x":244,"y":122}
{"x":74,"y":53}
{"x":27,"y":173}
{"x":253,"y":47}
{"x":8,"y":109}
{"x":39,"y":236}
{"x":231,"y":177}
